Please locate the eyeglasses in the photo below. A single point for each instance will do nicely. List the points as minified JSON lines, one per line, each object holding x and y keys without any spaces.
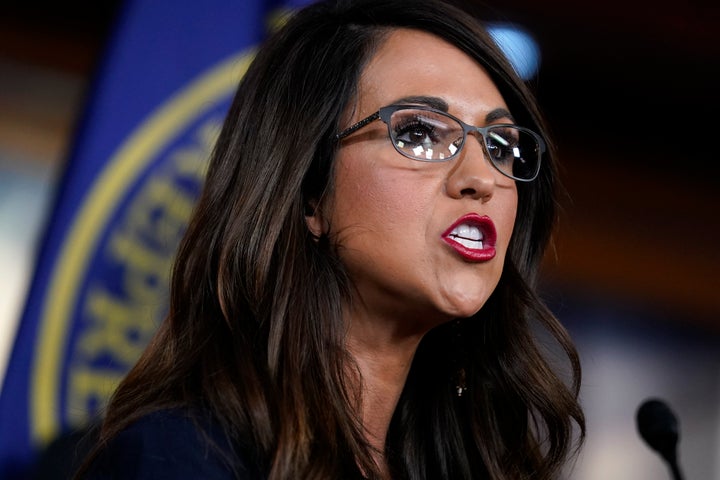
{"x":430,"y":135}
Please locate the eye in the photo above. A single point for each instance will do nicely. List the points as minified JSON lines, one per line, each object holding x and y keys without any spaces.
{"x":414,"y":131}
{"x":503,"y":144}
{"x":426,"y":135}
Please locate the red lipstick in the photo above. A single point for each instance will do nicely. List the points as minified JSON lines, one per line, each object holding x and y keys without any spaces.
{"x":472,"y":236}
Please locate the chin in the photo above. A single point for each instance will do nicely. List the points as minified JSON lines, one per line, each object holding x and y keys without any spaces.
{"x":466,"y":313}
{"x":465,"y":296}
{"x":465,"y":307}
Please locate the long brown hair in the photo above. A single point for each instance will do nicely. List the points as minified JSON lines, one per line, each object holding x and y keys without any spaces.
{"x":254,"y":333}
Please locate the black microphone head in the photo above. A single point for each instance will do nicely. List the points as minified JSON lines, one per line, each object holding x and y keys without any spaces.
{"x":658,"y":426}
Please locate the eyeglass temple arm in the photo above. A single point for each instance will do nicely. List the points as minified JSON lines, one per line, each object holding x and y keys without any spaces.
{"x":357,"y":126}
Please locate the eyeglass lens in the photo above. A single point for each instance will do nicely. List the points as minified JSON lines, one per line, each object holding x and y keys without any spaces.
{"x":432,"y":136}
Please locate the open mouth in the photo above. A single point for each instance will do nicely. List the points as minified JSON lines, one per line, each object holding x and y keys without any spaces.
{"x":473,"y":237}
{"x":469,"y":236}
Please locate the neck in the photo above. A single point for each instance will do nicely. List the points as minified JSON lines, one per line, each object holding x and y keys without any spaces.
{"x":383,"y":356}
{"x":383,"y":373}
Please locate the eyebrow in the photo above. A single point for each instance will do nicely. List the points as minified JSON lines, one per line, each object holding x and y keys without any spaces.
{"x":440,"y":104}
{"x":434,"y":102}
{"x":497,"y":114}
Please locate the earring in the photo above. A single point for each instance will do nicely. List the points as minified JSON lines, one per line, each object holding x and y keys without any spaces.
{"x":458,"y":348}
{"x":460,"y":386}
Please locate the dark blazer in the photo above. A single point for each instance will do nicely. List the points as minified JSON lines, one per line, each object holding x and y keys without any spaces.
{"x":168,"y":445}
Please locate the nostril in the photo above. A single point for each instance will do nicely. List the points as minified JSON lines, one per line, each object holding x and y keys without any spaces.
{"x":468,"y":192}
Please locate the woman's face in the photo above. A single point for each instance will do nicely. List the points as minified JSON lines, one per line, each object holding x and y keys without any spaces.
{"x":400,"y":223}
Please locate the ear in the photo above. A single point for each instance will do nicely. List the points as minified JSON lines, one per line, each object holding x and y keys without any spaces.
{"x":315,"y":220}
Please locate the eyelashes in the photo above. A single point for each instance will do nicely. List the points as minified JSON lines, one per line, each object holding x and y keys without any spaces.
{"x":415,"y":131}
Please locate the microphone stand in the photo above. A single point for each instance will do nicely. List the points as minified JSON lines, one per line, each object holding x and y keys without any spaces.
{"x":670,"y":458}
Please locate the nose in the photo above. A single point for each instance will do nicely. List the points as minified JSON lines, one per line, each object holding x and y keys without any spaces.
{"x":472,"y":174}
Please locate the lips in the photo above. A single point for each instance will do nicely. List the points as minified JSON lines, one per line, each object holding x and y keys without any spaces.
{"x":473,"y":237}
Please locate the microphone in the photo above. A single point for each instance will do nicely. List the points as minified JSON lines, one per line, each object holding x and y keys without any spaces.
{"x":658,"y":426}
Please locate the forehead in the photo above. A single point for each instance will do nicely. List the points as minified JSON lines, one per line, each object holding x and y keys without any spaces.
{"x":416,"y":63}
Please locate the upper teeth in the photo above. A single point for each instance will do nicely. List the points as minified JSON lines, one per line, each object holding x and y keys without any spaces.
{"x":469,"y":232}
{"x":468,"y":235}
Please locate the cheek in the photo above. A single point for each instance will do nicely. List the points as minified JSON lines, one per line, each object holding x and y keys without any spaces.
{"x":508,"y":214}
{"x":370,"y":196}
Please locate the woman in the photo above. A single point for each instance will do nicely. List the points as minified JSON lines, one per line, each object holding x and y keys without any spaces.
{"x":354,"y":295}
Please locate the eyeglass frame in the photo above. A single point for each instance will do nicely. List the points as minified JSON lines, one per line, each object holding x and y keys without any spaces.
{"x":384,"y":114}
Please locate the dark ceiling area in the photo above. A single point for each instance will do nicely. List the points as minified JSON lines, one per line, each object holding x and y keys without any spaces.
{"x":631,"y":93}
{"x":629,"y":77}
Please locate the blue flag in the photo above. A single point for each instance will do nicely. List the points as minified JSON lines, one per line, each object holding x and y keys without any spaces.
{"x":100,"y":287}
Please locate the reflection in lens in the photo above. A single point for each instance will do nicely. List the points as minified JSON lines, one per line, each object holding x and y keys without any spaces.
{"x":498,"y":138}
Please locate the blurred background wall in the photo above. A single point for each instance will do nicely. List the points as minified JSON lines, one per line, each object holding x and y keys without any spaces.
{"x":630,"y":89}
